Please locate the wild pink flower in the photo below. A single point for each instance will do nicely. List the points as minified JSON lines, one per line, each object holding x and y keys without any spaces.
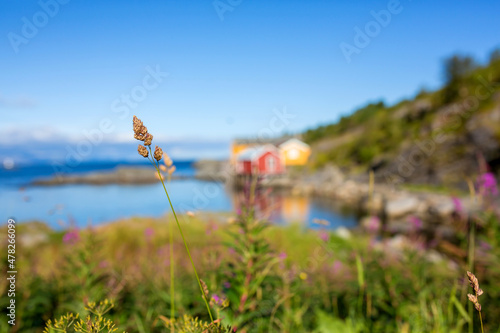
{"x":227,"y":285}
{"x":103,"y":264}
{"x":282,"y":256}
{"x":211,"y":227}
{"x":416,"y":222}
{"x":373,"y":224}
{"x":337,"y":266}
{"x":459,"y":208}
{"x":324,"y":236}
{"x":231,"y":251}
{"x":217,"y":300}
{"x":163,"y":251}
{"x":71,"y":237}
{"x":488,"y":184}
{"x":149,"y":232}
{"x":485,"y":246}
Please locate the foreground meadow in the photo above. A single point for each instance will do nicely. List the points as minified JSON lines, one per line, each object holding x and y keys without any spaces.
{"x":258,"y":278}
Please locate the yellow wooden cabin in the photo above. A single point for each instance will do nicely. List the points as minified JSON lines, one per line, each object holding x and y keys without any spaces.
{"x":295,"y":152}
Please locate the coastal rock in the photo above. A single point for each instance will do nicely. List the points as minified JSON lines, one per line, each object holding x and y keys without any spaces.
{"x":343,"y":233}
{"x":402,"y":206}
{"x":350,"y":192}
{"x":398,"y":242}
{"x":399,"y":226}
{"x":374,"y":204}
{"x":444,"y":208}
{"x":434,"y":256}
{"x":213,"y":170}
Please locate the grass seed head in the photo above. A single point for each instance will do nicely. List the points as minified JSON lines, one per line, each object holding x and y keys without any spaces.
{"x":147,"y":139}
{"x":158,"y":153}
{"x":142,"y":151}
{"x":205,"y":288}
{"x":474,"y":283}
{"x":140,"y":131}
{"x":475,"y":301}
{"x":167,"y":160}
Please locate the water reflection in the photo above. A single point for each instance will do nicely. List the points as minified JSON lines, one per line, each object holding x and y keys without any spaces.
{"x":281,"y":207}
{"x":101,"y":204}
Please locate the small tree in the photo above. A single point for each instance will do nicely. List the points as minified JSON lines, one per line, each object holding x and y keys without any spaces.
{"x":494,"y":56}
{"x":456,"y":68}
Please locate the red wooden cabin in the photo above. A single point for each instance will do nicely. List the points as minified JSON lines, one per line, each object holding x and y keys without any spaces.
{"x":263,"y":160}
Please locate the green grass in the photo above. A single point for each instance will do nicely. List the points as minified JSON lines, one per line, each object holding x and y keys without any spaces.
{"x":440,"y":189}
{"x":318,"y":286}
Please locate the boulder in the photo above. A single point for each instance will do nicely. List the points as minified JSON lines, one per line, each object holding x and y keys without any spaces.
{"x":399,"y":226}
{"x":401,"y":207}
{"x":444,"y":208}
{"x":343,"y":233}
{"x":374,"y":204}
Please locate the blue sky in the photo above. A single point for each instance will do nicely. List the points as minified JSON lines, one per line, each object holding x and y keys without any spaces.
{"x":227,"y":77}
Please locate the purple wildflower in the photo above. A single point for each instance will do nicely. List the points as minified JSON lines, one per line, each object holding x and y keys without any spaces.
{"x":486,"y":247}
{"x":282,"y":256}
{"x":227,"y":285}
{"x":459,"y":208}
{"x":373,"y":224}
{"x":488,"y":184}
{"x":149,"y":232}
{"x":324,"y":236}
{"x":103,"y":264}
{"x":211,"y":227}
{"x":416,"y":222}
{"x":217,"y":300}
{"x":337,"y":266}
{"x":71,"y":237}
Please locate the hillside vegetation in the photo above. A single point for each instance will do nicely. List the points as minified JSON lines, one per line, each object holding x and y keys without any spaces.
{"x":437,"y":137}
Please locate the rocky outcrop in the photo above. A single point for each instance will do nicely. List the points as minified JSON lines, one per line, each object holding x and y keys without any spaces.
{"x":119,"y":175}
{"x":401,"y":207}
{"x":216,"y":170}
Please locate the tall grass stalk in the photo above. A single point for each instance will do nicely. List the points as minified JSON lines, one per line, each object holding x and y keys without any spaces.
{"x":172,"y":275}
{"x":141,"y":133}
{"x":470,"y":257}
{"x":156,"y":165}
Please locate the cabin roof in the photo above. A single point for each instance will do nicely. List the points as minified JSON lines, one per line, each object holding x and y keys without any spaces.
{"x":254,"y":153}
{"x":271,"y":141}
{"x":294,"y":141}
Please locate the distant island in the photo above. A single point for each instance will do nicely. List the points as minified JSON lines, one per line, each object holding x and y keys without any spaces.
{"x":119,"y":175}
{"x":209,"y":170}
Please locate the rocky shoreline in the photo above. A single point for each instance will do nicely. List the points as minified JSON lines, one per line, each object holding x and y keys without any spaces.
{"x":394,"y":205}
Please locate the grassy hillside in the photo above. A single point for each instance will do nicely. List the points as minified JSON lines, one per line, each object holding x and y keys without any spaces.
{"x":436,"y":137}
